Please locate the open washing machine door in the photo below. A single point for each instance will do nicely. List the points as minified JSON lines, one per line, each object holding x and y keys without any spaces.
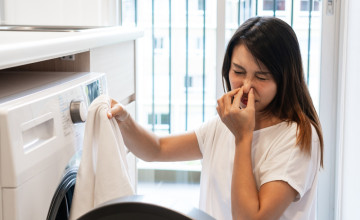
{"x":139,"y":207}
{"x":61,"y":202}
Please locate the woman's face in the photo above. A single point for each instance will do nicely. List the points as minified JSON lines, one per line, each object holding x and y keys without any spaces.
{"x":246,"y":72}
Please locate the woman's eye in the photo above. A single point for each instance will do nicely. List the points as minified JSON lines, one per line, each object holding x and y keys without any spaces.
{"x":239,"y":72}
{"x":261,"y":77}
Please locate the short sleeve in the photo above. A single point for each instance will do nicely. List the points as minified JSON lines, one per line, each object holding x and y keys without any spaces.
{"x":205,"y":131}
{"x":287,"y":162}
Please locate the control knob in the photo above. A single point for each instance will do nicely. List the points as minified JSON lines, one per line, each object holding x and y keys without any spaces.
{"x":78,"y":111}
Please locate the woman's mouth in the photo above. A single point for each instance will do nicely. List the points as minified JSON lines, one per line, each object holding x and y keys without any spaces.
{"x":244,"y":101}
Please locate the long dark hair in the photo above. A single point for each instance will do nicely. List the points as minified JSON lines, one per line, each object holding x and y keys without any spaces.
{"x":274,"y":43}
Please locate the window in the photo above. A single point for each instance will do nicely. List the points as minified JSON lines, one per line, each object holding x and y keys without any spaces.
{"x":199,"y":43}
{"x":165,"y":119}
{"x":188,"y":81}
{"x":268,"y":5}
{"x":151,"y":119}
{"x":305,"y":5}
{"x":160,"y":118}
{"x":201,"y":5}
{"x":158,"y":43}
{"x":128,"y":13}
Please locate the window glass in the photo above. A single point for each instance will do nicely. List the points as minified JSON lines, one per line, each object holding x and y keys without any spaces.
{"x":176,"y":79}
{"x":158,"y":43}
{"x":268,"y":5}
{"x":128,"y":12}
{"x":201,"y":5}
{"x":305,"y":5}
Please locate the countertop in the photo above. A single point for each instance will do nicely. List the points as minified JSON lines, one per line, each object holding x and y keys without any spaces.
{"x":23,"y":47}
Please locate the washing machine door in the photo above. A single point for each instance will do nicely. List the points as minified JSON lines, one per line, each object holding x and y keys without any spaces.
{"x":61,"y":202}
{"x":139,"y":207}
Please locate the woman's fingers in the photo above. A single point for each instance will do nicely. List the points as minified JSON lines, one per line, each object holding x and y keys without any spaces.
{"x":118,"y":111}
{"x":251,"y":98}
{"x":226,"y":103}
{"x":228,"y":97}
{"x":112,"y":104}
{"x":237,"y":98}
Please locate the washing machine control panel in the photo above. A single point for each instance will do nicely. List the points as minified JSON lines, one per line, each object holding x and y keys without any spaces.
{"x":94,"y":89}
{"x":74,"y":103}
{"x":78,"y":111}
{"x":78,"y":108}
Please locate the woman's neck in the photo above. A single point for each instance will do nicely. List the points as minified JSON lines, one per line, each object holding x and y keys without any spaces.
{"x":263,"y":121}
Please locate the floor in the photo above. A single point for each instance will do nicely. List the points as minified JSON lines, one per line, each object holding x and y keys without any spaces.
{"x":188,"y":193}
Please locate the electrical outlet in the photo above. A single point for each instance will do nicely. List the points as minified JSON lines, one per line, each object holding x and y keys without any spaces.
{"x":69,"y":57}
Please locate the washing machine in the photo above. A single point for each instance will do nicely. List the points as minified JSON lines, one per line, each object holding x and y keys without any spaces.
{"x":41,"y":134}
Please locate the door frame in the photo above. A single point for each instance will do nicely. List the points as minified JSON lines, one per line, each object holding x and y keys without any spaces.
{"x":331,"y":107}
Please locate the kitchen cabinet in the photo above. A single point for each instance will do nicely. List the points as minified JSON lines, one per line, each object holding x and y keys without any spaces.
{"x":118,"y":62}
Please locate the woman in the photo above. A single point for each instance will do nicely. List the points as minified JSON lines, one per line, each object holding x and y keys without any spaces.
{"x":261,"y":155}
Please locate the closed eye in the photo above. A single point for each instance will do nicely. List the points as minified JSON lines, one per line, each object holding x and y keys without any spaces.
{"x":261,"y":78}
{"x":239,"y":72}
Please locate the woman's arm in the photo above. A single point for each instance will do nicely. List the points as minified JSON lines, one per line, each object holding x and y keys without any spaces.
{"x":246,"y":201}
{"x":148,"y":146}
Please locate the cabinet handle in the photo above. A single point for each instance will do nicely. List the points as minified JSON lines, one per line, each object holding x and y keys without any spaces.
{"x":128,"y":99}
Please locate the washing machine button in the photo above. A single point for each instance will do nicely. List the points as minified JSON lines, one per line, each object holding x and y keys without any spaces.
{"x":78,"y":111}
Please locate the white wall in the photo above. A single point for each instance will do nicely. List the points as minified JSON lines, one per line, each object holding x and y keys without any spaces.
{"x":61,"y":12}
{"x":338,"y":190}
{"x":350,"y":143}
{"x":328,"y":111}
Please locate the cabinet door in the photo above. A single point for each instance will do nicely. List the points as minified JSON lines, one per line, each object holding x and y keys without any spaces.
{"x":118,"y":63}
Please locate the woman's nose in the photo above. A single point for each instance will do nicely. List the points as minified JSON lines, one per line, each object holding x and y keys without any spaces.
{"x":247,"y":85}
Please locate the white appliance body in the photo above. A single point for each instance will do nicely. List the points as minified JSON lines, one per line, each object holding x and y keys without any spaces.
{"x":38,"y":137}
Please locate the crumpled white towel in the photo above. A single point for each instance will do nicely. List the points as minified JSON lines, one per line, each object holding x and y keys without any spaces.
{"x":103,"y":173}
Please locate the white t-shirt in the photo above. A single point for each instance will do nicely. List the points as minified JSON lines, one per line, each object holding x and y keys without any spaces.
{"x":275,"y":156}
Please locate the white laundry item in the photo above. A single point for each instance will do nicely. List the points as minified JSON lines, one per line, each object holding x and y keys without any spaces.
{"x":103,"y":173}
